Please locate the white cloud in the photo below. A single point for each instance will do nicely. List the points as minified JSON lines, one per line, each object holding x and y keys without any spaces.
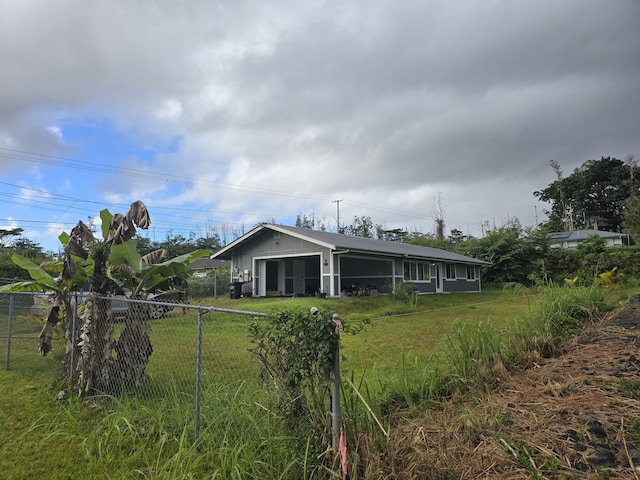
{"x":281,"y":107}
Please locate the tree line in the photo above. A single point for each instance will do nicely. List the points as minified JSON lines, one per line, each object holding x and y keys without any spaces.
{"x":600,"y":194}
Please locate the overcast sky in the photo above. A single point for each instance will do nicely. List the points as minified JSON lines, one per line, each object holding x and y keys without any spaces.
{"x":236,"y":112}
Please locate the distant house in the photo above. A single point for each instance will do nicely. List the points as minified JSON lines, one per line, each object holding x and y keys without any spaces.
{"x":202,"y":266}
{"x":571,"y":240}
{"x":281,"y":260}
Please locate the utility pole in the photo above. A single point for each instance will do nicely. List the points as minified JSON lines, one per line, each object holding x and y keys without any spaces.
{"x":337,"y":202}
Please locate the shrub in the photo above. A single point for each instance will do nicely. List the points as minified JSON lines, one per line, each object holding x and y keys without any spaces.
{"x":296,"y":350}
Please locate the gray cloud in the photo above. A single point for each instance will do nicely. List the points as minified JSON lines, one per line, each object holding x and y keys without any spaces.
{"x":361,"y":100}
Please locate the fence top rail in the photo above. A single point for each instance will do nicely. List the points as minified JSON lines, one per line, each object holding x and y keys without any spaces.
{"x":201,"y":308}
{"x":230,"y":310}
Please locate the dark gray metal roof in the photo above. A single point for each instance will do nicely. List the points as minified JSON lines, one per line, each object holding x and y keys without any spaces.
{"x":337,"y":241}
{"x":580,"y":235}
{"x":206,"y":263}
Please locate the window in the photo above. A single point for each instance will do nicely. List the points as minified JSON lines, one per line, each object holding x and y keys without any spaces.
{"x":416,"y":272}
{"x":471,"y":272}
{"x":450,"y":271}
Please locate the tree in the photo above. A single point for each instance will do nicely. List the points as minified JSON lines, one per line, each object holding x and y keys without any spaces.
{"x":456,"y":237}
{"x":303,"y":221}
{"x":7,"y":234}
{"x":361,"y":227}
{"x":512,"y":252}
{"x":392,"y":235}
{"x":11,"y":243}
{"x":111,"y":266}
{"x":427,"y":240}
{"x":593,"y":196}
{"x":593,"y":244}
{"x":28,"y":248}
{"x":437,"y":212}
{"x":631,"y":217}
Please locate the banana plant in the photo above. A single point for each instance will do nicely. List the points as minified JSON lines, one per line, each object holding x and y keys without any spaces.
{"x":111,"y":266}
{"x":611,"y":277}
{"x":571,"y":282}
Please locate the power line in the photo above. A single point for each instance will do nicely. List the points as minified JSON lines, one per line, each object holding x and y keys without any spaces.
{"x":66,"y":162}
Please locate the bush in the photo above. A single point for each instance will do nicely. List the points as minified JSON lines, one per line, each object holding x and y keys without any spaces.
{"x":209,"y":286}
{"x":296,"y":350}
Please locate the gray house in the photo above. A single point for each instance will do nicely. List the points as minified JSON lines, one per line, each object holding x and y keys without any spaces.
{"x":202,"y":266}
{"x":282,"y":260}
{"x":571,"y":240}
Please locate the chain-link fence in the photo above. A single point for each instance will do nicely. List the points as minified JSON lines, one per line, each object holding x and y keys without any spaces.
{"x":173,"y":357}
{"x":214,"y":285}
{"x":21,"y":320}
{"x":154,"y":350}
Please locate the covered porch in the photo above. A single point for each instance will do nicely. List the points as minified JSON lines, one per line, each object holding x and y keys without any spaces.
{"x":330,"y":275}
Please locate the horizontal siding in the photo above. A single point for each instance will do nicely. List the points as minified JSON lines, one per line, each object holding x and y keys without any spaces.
{"x":461,"y":285}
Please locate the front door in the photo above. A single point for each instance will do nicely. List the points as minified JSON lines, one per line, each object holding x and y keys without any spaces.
{"x":438,"y":278}
{"x":298,"y":277}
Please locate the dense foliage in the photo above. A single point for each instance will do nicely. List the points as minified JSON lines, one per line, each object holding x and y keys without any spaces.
{"x":296,"y":350}
{"x":111,"y":266}
{"x":594,"y":194}
{"x":512,"y":252}
{"x":12,"y":242}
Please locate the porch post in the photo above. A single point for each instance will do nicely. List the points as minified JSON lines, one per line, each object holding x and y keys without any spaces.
{"x":332,"y":280}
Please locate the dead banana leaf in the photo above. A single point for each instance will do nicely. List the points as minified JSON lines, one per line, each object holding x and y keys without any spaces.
{"x":139,"y":214}
{"x":46,"y":334}
{"x":82,"y":233}
{"x":157,"y":256}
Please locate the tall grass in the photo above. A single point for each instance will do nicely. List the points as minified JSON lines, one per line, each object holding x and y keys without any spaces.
{"x":566,"y":310}
{"x":420,"y":361}
{"x":471,"y":357}
{"x":241,"y":438}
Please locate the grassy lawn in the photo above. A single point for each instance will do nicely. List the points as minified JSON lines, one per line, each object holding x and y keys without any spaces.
{"x":396,"y":328}
{"x":71,"y":439}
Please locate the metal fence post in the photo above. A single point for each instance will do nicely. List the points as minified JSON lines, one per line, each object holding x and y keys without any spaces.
{"x":198,"y":378}
{"x":9,"y":331}
{"x":335,"y":388}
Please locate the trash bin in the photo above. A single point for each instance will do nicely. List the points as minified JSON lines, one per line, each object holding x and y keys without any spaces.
{"x":235,"y":290}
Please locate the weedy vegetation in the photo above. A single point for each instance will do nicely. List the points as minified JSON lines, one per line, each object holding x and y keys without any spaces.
{"x":265,"y":416}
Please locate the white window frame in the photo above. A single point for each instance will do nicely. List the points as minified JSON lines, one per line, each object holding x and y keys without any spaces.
{"x":471,"y":273}
{"x":447,"y":270}
{"x":418,"y":271}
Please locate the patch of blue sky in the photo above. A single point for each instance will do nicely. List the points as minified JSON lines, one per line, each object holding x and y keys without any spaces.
{"x":99,"y":141}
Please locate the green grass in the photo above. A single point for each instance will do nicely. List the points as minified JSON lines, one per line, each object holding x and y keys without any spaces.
{"x":242,"y":435}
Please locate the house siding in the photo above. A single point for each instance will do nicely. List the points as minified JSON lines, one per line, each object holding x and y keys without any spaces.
{"x":269,"y":246}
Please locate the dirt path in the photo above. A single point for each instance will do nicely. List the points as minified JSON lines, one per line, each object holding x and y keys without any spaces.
{"x":574,"y":416}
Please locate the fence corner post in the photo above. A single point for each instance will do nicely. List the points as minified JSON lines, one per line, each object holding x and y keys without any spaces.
{"x":11,"y":313}
{"x":335,"y":387}
{"x":198,"y":380}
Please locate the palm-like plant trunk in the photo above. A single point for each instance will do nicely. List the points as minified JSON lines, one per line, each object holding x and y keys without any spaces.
{"x":133,"y":350}
{"x":96,"y":336}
